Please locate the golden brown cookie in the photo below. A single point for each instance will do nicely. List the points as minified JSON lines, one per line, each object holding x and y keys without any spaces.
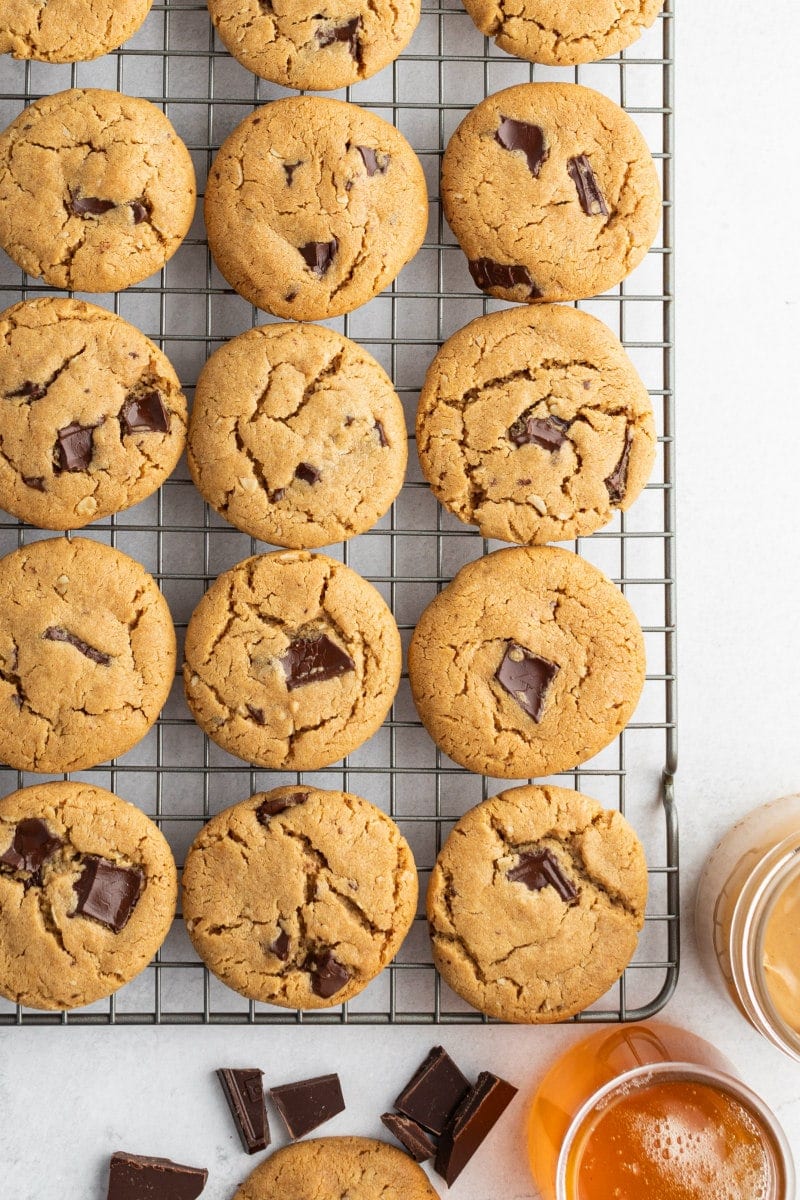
{"x":534,"y":425}
{"x":320,"y":46}
{"x":292,"y":660}
{"x":299,"y":897}
{"x":297,"y":435}
{"x":66,"y":31}
{"x":551,"y":191}
{"x":313,"y":206}
{"x":87,"y":655}
{"x":97,"y":191}
{"x":88,"y":888}
{"x":536,"y":902}
{"x":92,"y":416}
{"x":528,"y":663}
{"x":336,"y":1168}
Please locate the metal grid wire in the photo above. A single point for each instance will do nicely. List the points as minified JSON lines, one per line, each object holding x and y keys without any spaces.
{"x":176,"y":775}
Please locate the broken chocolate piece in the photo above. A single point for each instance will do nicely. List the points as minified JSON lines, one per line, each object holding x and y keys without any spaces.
{"x":472,"y":1122}
{"x":307,"y":473}
{"x":257,"y":714}
{"x":592,"y":199}
{"x":89,"y":206}
{"x":373,"y":164}
{"x":381,"y":432}
{"x":34,"y":481}
{"x":434,"y":1091}
{"x":488,"y":274}
{"x":319,"y":255}
{"x":539,"y":869}
{"x":134,"y":1177}
{"x":328,"y":975}
{"x":289,"y":169}
{"x":419,"y":1144}
{"x":33,"y":844}
{"x":309,"y":1103}
{"x":55,"y":633}
{"x":314,"y":660}
{"x":617,"y":482}
{"x":280,"y":947}
{"x":29,"y":391}
{"x":143,"y":414}
{"x":73,"y":449}
{"x":107,"y":893}
{"x":279,"y":804}
{"x":139,"y":211}
{"x":346,"y":32}
{"x":547,"y":432}
{"x":520,"y":135}
{"x":527,"y":678}
{"x":244,"y":1091}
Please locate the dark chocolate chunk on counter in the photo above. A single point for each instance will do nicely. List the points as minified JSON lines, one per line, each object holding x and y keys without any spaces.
{"x":319,"y":255}
{"x":244,"y":1092}
{"x":107,"y":893}
{"x":31,"y":847}
{"x":314,"y":660}
{"x":522,"y":135}
{"x":488,"y":274}
{"x":592,"y":199}
{"x":527,"y":678}
{"x":74,"y":447}
{"x":617,"y":482}
{"x":410,"y":1134}
{"x":434,"y":1092}
{"x":309,"y":1103}
{"x":134,"y":1177}
{"x":548,"y":432}
{"x":474,"y":1119}
{"x":539,"y":869}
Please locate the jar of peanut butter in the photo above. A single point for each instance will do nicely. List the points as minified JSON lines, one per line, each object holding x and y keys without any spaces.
{"x":748,"y":919}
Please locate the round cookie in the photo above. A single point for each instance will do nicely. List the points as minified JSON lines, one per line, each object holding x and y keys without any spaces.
{"x":87,"y":655}
{"x":88,"y":888}
{"x":92,"y":416}
{"x":563,"y":33}
{"x":292,"y":660}
{"x":299,"y":44}
{"x":66,"y":31}
{"x":313,"y":206}
{"x":299,"y":897}
{"x":528,"y":663}
{"x":551,"y":191}
{"x":335,"y":1167}
{"x":535,"y":903}
{"x":297,"y":435}
{"x":534,"y":425}
{"x":97,"y":191}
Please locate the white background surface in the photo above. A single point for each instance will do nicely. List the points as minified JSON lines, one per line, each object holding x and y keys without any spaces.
{"x":70,"y":1097}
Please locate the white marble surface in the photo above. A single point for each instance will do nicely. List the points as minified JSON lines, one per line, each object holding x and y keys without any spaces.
{"x":69,"y":1097}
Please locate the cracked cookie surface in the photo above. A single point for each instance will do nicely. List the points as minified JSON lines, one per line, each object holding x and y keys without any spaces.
{"x":536,"y":902}
{"x":528,"y":663}
{"x":92,"y":416}
{"x":551,"y":191}
{"x":64,"y":943}
{"x":338,"y":1168}
{"x":313,"y":206}
{"x":562,"y":33}
{"x":97,"y":191}
{"x":297,"y":435}
{"x":534,"y":425}
{"x":304,"y":44}
{"x":65,"y":31}
{"x":299,"y":897}
{"x":87,"y":654}
{"x":292,"y":660}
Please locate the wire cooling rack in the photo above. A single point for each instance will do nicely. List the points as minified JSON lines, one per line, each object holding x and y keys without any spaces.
{"x":176,"y":775}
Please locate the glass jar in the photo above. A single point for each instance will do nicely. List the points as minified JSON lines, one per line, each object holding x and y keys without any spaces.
{"x":747,"y":919}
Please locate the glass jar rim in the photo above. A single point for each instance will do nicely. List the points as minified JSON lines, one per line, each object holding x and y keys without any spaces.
{"x":697,"y":1073}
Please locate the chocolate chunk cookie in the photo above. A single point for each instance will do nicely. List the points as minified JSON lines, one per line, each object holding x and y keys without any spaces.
{"x":304,"y":44}
{"x":313,"y":206}
{"x":292,"y":660}
{"x":97,"y":191}
{"x":562,"y":33}
{"x":336,"y":1167}
{"x":297,"y":435}
{"x":534,"y":426}
{"x":92,"y":416}
{"x":87,"y":655}
{"x":299,"y":897}
{"x":551,"y":191}
{"x":536,"y":902}
{"x":528,"y":663}
{"x":88,"y":888}
{"x":66,"y":31}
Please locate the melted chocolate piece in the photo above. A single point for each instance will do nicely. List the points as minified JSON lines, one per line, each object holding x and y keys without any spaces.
{"x":539,"y":869}
{"x":143,"y":414}
{"x":419,"y":1144}
{"x":34,"y":481}
{"x":140,"y":211}
{"x":134,"y":1177}
{"x":309,"y":1103}
{"x":617,"y":482}
{"x":307,"y":473}
{"x":319,"y":255}
{"x":289,"y":169}
{"x":434,"y":1091}
{"x":243,"y":1088}
{"x":527,"y":678}
{"x":29,"y":390}
{"x":108,"y":893}
{"x":347,"y":32}
{"x":592,"y":199}
{"x":74,"y":448}
{"x":472,"y":1123}
{"x":89,"y":206}
{"x":280,"y":947}
{"x":381,"y":432}
{"x":520,"y":135}
{"x":279,"y":804}
{"x":56,"y":633}
{"x":373,"y":164}
{"x":314,"y":660}
{"x":33,"y":844}
{"x":488,"y":274}
{"x":257,"y":714}
{"x":328,"y":975}
{"x":547,"y":432}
